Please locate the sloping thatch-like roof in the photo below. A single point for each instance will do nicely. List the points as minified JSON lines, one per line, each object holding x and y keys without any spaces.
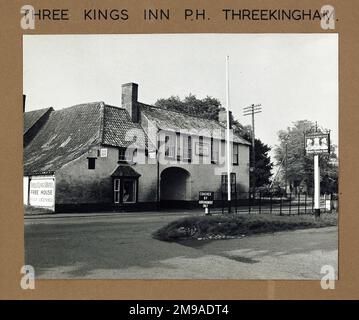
{"x":178,"y":121}
{"x":31,"y":117}
{"x":71,"y":132}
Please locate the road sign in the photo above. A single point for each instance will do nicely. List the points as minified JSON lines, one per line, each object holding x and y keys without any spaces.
{"x":206,"y":197}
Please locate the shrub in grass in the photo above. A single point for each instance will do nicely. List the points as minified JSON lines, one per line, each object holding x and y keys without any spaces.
{"x":237,"y":225}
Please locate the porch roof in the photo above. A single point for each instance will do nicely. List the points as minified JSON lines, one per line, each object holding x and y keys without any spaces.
{"x":125,"y":171}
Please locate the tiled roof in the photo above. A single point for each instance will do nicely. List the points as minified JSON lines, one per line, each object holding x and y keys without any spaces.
{"x":31,"y":117}
{"x":67,"y":134}
{"x":70,"y":132}
{"x":177,"y":121}
{"x":117,"y":126}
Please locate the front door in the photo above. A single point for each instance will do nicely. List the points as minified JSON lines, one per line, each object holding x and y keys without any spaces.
{"x":124,"y":190}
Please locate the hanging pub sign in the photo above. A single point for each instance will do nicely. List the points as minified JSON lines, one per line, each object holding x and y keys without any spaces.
{"x":317,"y":143}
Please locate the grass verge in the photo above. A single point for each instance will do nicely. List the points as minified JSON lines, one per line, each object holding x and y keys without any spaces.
{"x":228,"y":226}
{"x":29,"y":210}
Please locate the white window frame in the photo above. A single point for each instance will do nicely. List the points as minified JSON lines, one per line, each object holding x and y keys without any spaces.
{"x":116,"y":190}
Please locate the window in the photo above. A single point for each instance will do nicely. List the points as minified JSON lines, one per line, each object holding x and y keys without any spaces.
{"x":170,"y":146}
{"x":187,"y":147}
{"x":224,"y":182}
{"x":178,"y":143}
{"x":116,"y":190}
{"x":91,"y":163}
{"x":202,"y":148}
{"x":122,"y":155}
{"x":214,"y":150}
{"x":129,"y":191}
{"x":235,"y":154}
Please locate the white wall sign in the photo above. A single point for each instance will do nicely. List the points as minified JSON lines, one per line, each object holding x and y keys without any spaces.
{"x":42,"y":192}
{"x":152,"y":154}
{"x":26,"y":190}
{"x":103,"y":153}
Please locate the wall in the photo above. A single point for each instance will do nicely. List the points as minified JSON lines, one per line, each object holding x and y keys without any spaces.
{"x":207,"y":177}
{"x":77,"y":185}
{"x":93,"y":189}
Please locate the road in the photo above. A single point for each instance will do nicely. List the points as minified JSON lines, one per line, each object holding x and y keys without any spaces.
{"x":120,"y":246}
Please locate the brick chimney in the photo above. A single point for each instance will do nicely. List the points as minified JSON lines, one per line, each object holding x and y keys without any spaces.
{"x":129,"y":100}
{"x":222,"y":117}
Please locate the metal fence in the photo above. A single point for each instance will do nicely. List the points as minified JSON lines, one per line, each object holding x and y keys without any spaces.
{"x":284,"y":204}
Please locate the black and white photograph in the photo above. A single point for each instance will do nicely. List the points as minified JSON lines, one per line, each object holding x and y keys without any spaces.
{"x":181,"y":156}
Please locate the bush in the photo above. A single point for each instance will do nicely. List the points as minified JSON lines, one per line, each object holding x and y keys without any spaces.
{"x":222,"y":226}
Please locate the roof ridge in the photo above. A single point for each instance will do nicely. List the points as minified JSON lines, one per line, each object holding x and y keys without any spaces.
{"x":116,"y":107}
{"x":36,"y":110}
{"x":83,"y":104}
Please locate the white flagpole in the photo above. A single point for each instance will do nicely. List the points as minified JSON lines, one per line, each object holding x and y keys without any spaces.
{"x":228,"y":128}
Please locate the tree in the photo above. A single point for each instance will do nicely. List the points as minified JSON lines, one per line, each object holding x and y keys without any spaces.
{"x":209,"y":108}
{"x":263,"y":165}
{"x":300,"y":169}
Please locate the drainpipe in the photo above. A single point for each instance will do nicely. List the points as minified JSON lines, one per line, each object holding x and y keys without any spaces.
{"x":158,"y":174}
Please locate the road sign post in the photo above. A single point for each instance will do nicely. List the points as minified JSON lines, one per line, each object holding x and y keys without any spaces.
{"x":316,"y":186}
{"x":317,"y":143}
{"x":206,"y":199}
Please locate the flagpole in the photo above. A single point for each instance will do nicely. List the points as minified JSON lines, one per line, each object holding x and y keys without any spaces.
{"x":228,"y":136}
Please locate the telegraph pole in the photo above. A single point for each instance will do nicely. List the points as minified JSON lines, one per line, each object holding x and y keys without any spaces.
{"x":229,"y":160}
{"x":252,"y":110}
{"x":286,"y":163}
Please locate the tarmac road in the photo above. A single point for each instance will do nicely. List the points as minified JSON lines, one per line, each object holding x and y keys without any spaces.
{"x":120,"y":246}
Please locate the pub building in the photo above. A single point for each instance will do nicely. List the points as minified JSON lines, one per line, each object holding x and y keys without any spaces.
{"x":97,"y":157}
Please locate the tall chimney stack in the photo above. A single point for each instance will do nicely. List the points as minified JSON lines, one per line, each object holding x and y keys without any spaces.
{"x":130,"y":100}
{"x":222,"y":117}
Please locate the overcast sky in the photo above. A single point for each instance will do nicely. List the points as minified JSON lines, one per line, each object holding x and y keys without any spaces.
{"x":293,"y":76}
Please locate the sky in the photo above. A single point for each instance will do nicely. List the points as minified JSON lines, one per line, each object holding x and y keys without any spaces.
{"x":293,"y":76}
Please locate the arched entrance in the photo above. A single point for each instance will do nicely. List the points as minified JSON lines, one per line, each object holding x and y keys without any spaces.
{"x":174,"y":187}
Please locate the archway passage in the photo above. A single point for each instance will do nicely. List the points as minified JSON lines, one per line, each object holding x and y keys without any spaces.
{"x":174,"y":187}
